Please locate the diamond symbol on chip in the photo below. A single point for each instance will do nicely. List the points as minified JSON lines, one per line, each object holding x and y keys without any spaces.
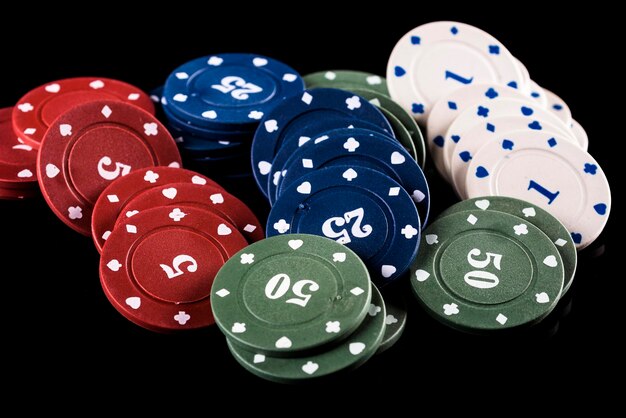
{"x":131,"y":229}
{"x":329,"y":75}
{"x":133,"y":96}
{"x":351,"y":144}
{"x":222,"y":293}
{"x":249,"y":228}
{"x":182,"y":75}
{"x":394,"y":191}
{"x":182,"y":317}
{"x":356,"y":291}
{"x":307,"y":98}
{"x":353,"y":102}
{"x":450,"y":309}
{"x":472,"y":219}
{"x":560,"y":242}
{"x":106,"y":111}
{"x":247,"y":258}
{"x":501,"y":319}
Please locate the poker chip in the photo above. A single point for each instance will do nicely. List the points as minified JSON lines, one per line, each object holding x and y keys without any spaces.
{"x":119,"y":192}
{"x":18,"y":161}
{"x":437,"y":58}
{"x":230,"y":89}
{"x":543,"y":220}
{"x":399,"y":118}
{"x":346,"y":80}
{"x":479,"y":112}
{"x":346,"y":149}
{"x":37,"y":109}
{"x":364,"y":209}
{"x":451,"y":105}
{"x":89,"y":146}
{"x":213,"y":199}
{"x":549,"y":172}
{"x":286,"y":295}
{"x":483,"y":271}
{"x":302,"y":117}
{"x":157,"y":268}
{"x":349,"y":354}
{"x":491,"y":129}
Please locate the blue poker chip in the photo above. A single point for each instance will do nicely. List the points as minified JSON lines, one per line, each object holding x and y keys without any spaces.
{"x":364,"y":209}
{"x":229,"y":91}
{"x":388,"y":157}
{"x":305,"y":116}
{"x":290,"y":145}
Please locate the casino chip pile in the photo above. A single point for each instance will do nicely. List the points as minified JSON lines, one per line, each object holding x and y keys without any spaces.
{"x":493,"y":263}
{"x":212,"y":106}
{"x":492,"y":130}
{"x":298,"y":307}
{"x":329,"y":164}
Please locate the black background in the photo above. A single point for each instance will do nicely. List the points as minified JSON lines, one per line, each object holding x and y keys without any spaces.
{"x":59,"y":325}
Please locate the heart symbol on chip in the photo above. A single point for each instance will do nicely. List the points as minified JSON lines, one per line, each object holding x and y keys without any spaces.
{"x":65,"y":129}
{"x":339,"y":257}
{"x":170,"y":192}
{"x":283,"y":342}
{"x":134,"y":302}
{"x":482,"y":204}
{"x":431,"y":239}
{"x":53,"y":88}
{"x":529,"y":212}
{"x":550,"y":261}
{"x":217,"y":198}
{"x":289,"y":78}
{"x":310,"y":367}
{"x":198,"y":180}
{"x":304,"y":188}
{"x":295,"y":243}
{"x":421,"y":275}
{"x":96,"y":84}
{"x":52,"y":171}
{"x":223,"y":230}
{"x":387,"y":271}
{"x":209,"y":114}
{"x":397,"y":158}
{"x":356,"y":348}
{"x":542,"y":297}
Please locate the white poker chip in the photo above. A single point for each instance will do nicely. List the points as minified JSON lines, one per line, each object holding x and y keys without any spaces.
{"x":451,"y":105}
{"x":434,"y":59}
{"x":549,"y":172}
{"x":580,"y":134}
{"x":479,"y":112}
{"x":490,"y":130}
{"x":538,"y":94}
{"x":525,"y":74}
{"x":558,"y":106}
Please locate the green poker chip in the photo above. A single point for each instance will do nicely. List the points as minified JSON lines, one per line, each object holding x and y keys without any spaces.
{"x":400,"y":132}
{"x":288,"y":294}
{"x":395,"y":320}
{"x":387,"y":104}
{"x":346,"y":80}
{"x":543,"y":220}
{"x":351,"y":353}
{"x":483,"y":270}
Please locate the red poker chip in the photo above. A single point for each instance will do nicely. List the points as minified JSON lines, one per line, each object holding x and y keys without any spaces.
{"x":36,"y":111}
{"x":218,"y":201}
{"x":112,"y":199}
{"x":18,"y":161}
{"x":158,"y":267}
{"x":91,"y":145}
